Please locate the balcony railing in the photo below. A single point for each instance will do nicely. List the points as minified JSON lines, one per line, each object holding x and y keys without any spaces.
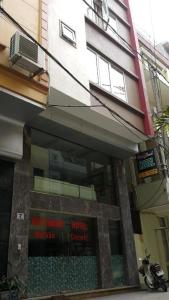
{"x":57,"y":187}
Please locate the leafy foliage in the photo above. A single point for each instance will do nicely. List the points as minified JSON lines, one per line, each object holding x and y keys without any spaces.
{"x":162,"y":122}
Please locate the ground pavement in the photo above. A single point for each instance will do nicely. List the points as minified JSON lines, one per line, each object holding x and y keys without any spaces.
{"x":143,"y":295}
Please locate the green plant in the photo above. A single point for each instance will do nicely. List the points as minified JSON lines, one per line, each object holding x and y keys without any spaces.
{"x":162,"y":122}
{"x":13,"y":283}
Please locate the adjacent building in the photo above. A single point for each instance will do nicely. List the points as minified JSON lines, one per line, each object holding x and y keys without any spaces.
{"x":71,"y":226}
{"x":22,"y":96}
{"x":150,"y":181}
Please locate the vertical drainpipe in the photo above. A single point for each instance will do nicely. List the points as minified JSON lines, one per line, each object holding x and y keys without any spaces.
{"x":148,"y":125}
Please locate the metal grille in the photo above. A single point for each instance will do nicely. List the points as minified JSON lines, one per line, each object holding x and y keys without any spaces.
{"x":28,"y":49}
{"x":12,"y":46}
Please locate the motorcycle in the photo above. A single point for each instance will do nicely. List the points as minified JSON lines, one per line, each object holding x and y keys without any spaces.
{"x":153,"y":274}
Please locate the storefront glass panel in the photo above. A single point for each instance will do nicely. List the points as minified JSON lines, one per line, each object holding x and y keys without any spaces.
{"x":118,"y":259}
{"x":62,"y":253}
{"x":69,"y":169}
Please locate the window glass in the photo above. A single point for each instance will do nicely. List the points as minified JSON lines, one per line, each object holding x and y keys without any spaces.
{"x":92,"y":66}
{"x":117,"y":84}
{"x":113,"y":24}
{"x":62,"y":253}
{"x":68,"y":33}
{"x":90,"y":12}
{"x":53,"y":234}
{"x":71,"y":170}
{"x":104,"y":74}
{"x":98,"y":8}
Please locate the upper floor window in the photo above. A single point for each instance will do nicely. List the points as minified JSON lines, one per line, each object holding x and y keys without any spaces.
{"x":106,"y":75}
{"x":99,"y":13}
{"x":67,"y":33}
{"x":112,"y":24}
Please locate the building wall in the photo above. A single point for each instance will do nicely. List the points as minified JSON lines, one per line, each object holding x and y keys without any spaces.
{"x":153,"y":240}
{"x":32,"y":15}
{"x":75,"y":59}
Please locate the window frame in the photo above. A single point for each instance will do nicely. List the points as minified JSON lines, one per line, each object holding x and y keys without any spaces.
{"x":63,"y":25}
{"x":114,"y":35}
{"x":110,"y":65}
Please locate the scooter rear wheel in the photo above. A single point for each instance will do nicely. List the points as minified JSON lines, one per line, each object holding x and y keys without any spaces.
{"x":163,"y":286}
{"x":148,"y":284}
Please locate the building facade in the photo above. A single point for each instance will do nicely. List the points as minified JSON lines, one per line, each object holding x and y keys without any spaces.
{"x":71,"y":226}
{"x":21,"y":99}
{"x":151,"y":192}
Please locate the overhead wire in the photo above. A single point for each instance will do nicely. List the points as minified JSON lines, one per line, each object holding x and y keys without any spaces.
{"x":114,"y":114}
{"x":119,"y":118}
{"x":126,"y":42}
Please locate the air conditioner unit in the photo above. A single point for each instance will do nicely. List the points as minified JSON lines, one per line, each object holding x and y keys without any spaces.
{"x":26,"y":54}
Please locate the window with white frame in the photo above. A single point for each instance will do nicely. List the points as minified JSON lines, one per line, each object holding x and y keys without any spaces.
{"x":117,"y":83}
{"x":67,"y":33}
{"x":106,"y":75}
{"x":92,"y":66}
{"x":112,"y":24}
{"x":100,"y":8}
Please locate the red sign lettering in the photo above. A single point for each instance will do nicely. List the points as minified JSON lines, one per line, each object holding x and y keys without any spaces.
{"x":44,"y":235}
{"x":79,"y":225}
{"x":37,"y":221}
{"x":76,"y":237}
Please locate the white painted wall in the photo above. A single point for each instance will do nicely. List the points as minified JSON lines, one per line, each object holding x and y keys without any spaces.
{"x":65,"y":91}
{"x":73,"y":58}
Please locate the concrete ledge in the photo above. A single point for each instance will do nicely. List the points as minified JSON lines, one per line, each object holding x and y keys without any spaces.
{"x":88,"y":294}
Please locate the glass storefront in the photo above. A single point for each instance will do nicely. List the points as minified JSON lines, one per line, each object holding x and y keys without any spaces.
{"x":68,"y":169}
{"x":118,"y":258}
{"x":62,"y":253}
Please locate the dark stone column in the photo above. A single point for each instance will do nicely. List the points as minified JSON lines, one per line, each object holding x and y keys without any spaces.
{"x":18,"y":240}
{"x":128,"y":236}
{"x":105,"y":262}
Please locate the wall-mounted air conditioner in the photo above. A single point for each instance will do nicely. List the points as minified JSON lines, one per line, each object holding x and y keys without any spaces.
{"x":26,"y":54}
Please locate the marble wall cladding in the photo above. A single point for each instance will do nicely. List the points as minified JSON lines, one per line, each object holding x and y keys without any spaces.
{"x":48,"y":275}
{"x":126,"y":223}
{"x":19,"y":227}
{"x":51,"y":275}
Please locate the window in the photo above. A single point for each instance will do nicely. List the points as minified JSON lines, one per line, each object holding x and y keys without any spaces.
{"x":107,"y":76}
{"x":113,"y":23}
{"x":117,"y":83}
{"x":97,"y":5}
{"x":104,"y":74}
{"x":67,"y":33}
{"x":92,"y":64}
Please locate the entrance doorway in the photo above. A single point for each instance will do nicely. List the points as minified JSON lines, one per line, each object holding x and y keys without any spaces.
{"x":6,"y":189}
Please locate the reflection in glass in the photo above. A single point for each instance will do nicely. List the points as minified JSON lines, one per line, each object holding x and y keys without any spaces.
{"x":68,"y":169}
{"x":62,"y":253}
{"x":113,"y":23}
{"x":117,"y":84}
{"x":104,"y":74}
{"x":92,"y":66}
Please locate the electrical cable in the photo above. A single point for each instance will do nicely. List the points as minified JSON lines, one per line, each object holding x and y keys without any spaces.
{"x":115,"y":115}
{"x":84,"y":106}
{"x":131,"y":47}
